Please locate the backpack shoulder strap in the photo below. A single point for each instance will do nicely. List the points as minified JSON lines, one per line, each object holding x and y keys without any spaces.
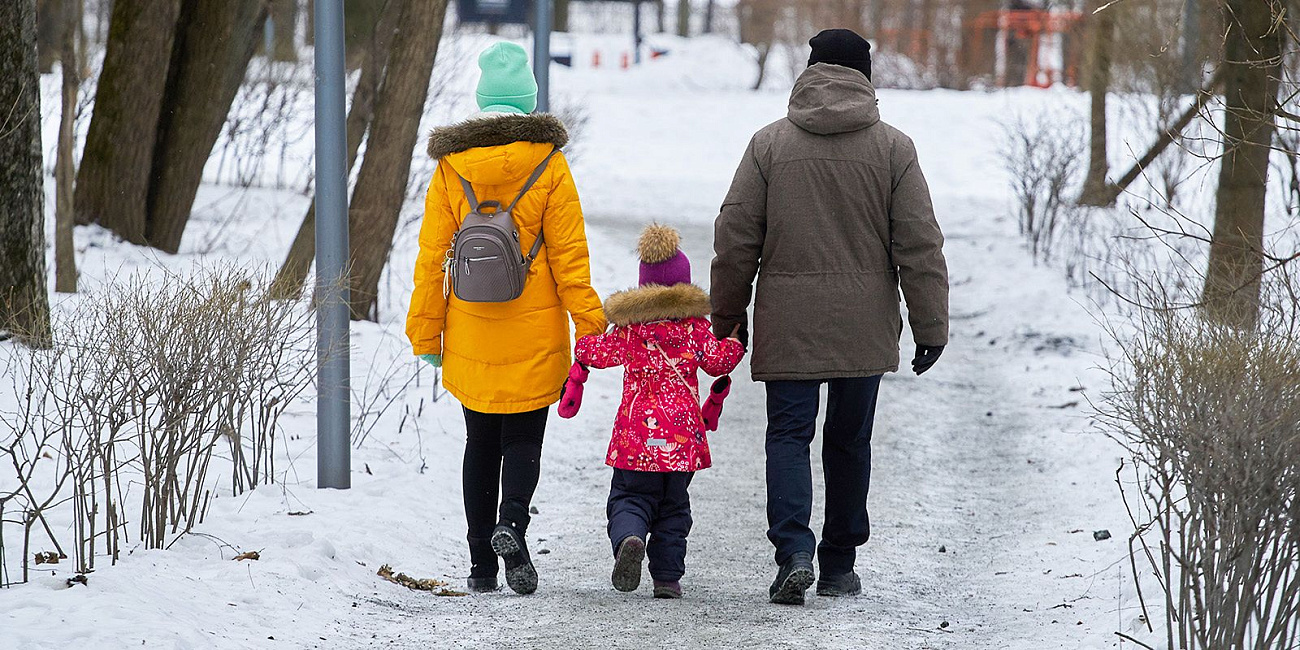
{"x":537,"y":173}
{"x":469,"y":190}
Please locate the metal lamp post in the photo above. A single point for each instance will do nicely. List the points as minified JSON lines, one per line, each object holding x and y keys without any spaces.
{"x":542,"y":54}
{"x":333,"y":400}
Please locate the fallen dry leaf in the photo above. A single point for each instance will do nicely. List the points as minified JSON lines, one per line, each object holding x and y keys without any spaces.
{"x":249,"y":555}
{"x":48,"y":557}
{"x":436,"y":587}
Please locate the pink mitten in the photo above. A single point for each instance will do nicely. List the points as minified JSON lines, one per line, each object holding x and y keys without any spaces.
{"x":571,"y":396}
{"x":712,"y":409}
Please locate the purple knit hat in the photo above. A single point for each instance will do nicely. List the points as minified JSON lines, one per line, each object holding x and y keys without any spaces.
{"x":662,"y":262}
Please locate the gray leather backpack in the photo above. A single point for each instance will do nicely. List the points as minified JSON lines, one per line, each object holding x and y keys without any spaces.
{"x":485,"y":263}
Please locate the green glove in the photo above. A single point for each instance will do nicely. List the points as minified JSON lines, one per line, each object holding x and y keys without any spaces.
{"x":434,"y":360}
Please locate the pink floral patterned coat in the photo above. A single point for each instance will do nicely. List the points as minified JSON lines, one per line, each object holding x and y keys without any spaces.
{"x":660,"y":337}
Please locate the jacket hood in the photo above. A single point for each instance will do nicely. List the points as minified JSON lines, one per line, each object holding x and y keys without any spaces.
{"x":498,"y":148}
{"x":653,"y":302}
{"x":830,"y":99}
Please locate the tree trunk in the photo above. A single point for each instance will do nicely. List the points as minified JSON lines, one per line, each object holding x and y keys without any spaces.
{"x":1252,"y":56}
{"x":284,"y":22}
{"x":65,"y":171}
{"x":878,"y":13}
{"x":102,"y":10}
{"x":214,"y":42}
{"x":24,"y":303}
{"x":310,"y":36}
{"x":708,"y":16}
{"x":359,"y":20}
{"x":925,"y":38}
{"x":764,"y":49}
{"x":1191,"y":45}
{"x":1099,"y":55}
{"x":49,"y":32}
{"x":382,"y":180}
{"x":683,"y":17}
{"x":661,"y":16}
{"x":113,"y":181}
{"x":1163,"y":142}
{"x":292,"y":276}
{"x":560,"y":22}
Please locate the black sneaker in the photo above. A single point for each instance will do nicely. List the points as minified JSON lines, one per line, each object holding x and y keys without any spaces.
{"x":482,"y":585}
{"x":627,"y":564}
{"x":794,"y":578}
{"x":520,"y":574}
{"x":842,"y":584}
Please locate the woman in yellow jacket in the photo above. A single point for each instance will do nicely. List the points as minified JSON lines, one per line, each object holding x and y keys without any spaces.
{"x":505,"y":362}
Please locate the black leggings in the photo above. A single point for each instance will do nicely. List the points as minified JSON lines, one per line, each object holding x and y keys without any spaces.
{"x":502,"y":463}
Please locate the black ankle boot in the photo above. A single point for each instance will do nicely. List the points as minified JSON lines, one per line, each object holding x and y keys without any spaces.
{"x":483,"y":565}
{"x":794,"y":578}
{"x":482,"y":585}
{"x":509,"y":544}
{"x":840,"y":584}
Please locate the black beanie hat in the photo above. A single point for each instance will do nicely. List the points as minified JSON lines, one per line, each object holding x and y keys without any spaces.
{"x":841,"y":47}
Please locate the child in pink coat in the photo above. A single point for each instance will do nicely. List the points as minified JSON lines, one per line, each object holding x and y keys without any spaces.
{"x":661,"y":336}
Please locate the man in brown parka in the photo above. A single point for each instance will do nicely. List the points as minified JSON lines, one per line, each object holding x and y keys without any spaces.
{"x":830,"y":211}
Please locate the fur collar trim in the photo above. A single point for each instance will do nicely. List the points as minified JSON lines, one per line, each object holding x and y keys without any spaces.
{"x":653,"y":302}
{"x":496,"y":129}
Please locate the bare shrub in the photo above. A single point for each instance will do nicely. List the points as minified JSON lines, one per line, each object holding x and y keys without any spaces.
{"x":1210,"y":417}
{"x":150,"y":389}
{"x":264,"y":126}
{"x":1043,"y":156}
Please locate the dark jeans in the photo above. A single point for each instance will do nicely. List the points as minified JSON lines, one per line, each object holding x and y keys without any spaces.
{"x":654,"y":504}
{"x":502,"y":461}
{"x":846,"y":462}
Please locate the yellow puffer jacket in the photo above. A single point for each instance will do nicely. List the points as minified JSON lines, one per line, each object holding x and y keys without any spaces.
{"x":505,"y":357}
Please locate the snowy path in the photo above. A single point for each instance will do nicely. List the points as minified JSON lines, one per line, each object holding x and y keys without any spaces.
{"x":968,"y":457}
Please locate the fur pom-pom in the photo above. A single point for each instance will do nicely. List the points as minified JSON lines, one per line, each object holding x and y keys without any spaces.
{"x":658,"y":244}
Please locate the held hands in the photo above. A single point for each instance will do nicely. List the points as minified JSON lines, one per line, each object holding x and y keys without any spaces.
{"x":926,"y":355}
{"x":434,"y":360}
{"x":738,"y":333}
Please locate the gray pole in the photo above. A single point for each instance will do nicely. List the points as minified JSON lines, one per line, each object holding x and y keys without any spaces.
{"x":333,"y":401}
{"x":542,"y":54}
{"x":636,"y":32}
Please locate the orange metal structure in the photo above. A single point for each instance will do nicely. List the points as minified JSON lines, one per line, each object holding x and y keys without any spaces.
{"x":1021,"y":32}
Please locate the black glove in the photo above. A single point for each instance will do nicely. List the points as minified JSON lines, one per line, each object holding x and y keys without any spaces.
{"x":741,"y":334}
{"x":926,"y":355}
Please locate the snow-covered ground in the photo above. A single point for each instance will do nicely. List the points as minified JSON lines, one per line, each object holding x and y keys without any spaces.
{"x":989,"y":480}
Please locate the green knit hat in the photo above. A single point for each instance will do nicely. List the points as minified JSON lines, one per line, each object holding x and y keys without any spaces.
{"x":507,"y":83}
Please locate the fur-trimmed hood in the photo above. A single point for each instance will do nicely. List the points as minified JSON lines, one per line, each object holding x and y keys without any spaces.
{"x":494,"y":130}
{"x":652,"y":303}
